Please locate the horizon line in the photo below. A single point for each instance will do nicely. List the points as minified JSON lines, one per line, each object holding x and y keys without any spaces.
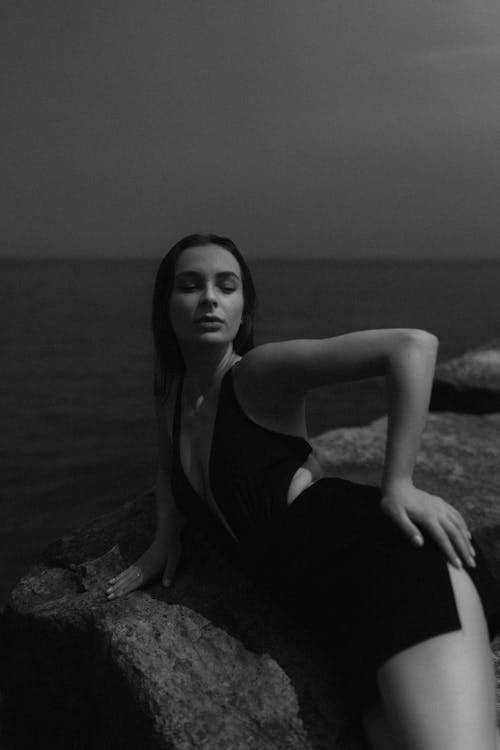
{"x":259,"y":259}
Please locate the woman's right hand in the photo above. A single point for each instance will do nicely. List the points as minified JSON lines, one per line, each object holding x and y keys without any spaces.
{"x":156,"y":557}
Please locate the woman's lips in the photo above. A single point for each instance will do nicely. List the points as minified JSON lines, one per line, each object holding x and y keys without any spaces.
{"x":209,"y":321}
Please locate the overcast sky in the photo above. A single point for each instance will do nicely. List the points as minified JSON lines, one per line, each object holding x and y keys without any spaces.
{"x":300,"y":129}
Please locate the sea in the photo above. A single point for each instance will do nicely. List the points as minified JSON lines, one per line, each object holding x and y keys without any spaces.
{"x":77,"y":417}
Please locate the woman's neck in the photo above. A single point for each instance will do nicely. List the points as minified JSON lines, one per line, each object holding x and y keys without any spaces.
{"x":204,"y":370}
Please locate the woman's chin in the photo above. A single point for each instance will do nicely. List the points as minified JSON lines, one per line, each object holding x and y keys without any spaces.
{"x":208,"y":338}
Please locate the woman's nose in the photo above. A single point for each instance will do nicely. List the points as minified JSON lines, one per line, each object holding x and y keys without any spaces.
{"x":209,"y":293}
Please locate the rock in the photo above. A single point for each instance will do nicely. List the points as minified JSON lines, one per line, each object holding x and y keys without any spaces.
{"x":209,"y":662}
{"x":469,"y":383}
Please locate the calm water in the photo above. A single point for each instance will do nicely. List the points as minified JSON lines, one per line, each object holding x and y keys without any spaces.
{"x":77,"y":412}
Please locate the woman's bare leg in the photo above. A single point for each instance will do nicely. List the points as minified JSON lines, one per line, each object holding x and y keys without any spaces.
{"x":379,"y":732}
{"x":440,"y":694}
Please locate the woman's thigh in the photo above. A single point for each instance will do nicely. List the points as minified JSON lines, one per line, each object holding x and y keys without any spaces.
{"x":440,"y":693}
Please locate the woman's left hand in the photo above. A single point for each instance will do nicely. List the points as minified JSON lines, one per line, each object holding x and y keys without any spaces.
{"x":411,"y":509}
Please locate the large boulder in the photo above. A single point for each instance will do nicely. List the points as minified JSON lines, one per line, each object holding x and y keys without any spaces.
{"x":137,"y":673}
{"x":209,"y":663}
{"x":469,"y":383}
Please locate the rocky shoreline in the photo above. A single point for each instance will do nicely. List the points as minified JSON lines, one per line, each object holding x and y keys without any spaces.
{"x":469,"y":383}
{"x":211,"y":663}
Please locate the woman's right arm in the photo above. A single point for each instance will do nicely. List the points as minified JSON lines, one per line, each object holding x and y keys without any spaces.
{"x":169,"y":524}
{"x":165,"y":549}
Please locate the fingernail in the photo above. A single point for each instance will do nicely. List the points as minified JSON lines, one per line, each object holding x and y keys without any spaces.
{"x":472,"y":562}
{"x":472,"y":551}
{"x":110,"y":596}
{"x":458,"y":562}
{"x":418,"y":540}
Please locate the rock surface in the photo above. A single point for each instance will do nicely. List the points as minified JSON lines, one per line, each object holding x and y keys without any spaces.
{"x":208,"y":663}
{"x":469,"y":383}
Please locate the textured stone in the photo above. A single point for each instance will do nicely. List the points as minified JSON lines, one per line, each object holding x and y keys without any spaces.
{"x":469,"y":383}
{"x":209,"y":662}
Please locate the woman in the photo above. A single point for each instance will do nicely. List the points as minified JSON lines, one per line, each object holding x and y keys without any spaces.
{"x":390,"y":575}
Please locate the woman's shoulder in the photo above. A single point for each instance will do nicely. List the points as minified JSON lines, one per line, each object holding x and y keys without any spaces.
{"x":273,"y":357}
{"x":264,"y":357}
{"x":264,"y":370}
{"x":253,"y":366}
{"x":261,"y":385}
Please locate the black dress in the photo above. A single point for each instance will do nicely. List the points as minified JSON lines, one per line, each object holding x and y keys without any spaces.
{"x":331,"y":558}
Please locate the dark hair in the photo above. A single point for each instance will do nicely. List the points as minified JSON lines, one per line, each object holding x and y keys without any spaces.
{"x":168,"y":356}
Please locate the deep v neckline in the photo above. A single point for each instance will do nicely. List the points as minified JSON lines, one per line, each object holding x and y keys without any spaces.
{"x":210,"y":453}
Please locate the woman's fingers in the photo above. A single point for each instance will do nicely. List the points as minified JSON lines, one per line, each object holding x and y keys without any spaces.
{"x":460,"y":541}
{"x":455,"y":527}
{"x":172,"y":561}
{"x":460,"y":522}
{"x":442,"y":539}
{"x":126,"y":581}
{"x":451,"y":542}
{"x":449,"y":533}
{"x":443,"y":522}
{"x":408,"y":527}
{"x":149,"y":565}
{"x":462,"y":528}
{"x":129,"y":580}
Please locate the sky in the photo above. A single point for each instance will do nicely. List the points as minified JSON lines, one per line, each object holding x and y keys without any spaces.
{"x":300,"y":129}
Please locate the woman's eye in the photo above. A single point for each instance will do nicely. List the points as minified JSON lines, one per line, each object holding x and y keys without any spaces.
{"x":190,"y":287}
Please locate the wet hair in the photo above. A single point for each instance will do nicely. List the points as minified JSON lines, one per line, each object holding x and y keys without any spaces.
{"x":168,"y":356}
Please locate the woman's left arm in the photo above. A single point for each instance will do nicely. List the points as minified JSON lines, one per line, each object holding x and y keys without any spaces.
{"x":287,"y":369}
{"x":409,"y":376}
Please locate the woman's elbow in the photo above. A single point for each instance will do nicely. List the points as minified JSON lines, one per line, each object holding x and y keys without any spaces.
{"x":424,"y":339}
{"x":414,"y":342}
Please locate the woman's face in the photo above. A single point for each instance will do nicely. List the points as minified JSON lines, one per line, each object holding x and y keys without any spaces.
{"x":206,"y":304}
